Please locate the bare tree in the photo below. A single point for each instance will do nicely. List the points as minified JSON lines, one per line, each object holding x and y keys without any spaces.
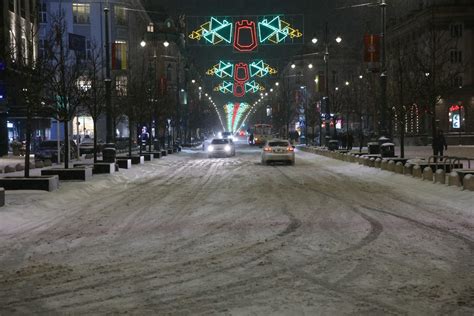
{"x":64,"y":92}
{"x":26,"y":82}
{"x":94,"y":90}
{"x":436,"y":68}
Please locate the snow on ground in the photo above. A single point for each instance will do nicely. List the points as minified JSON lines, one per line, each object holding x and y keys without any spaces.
{"x":190,"y":235}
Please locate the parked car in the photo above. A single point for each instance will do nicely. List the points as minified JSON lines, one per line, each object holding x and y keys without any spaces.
{"x":278,"y":150}
{"x":221,"y":147}
{"x":49,"y":150}
{"x":86,"y":146}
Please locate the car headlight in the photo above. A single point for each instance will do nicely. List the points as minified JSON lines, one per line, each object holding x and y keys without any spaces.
{"x":227,"y":148}
{"x":210,"y":148}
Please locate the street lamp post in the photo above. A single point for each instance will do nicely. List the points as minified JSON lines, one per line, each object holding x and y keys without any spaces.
{"x":383,"y":75}
{"x":108,"y":82}
{"x":326,"y":83}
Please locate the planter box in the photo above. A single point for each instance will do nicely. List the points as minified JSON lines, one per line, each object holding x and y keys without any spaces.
{"x":156,"y":154}
{"x":98,"y":167}
{"x":82,"y":174}
{"x":44,"y":183}
{"x":148,"y":157}
{"x":2,"y":196}
{"x":136,"y":160}
{"x":124,"y":163}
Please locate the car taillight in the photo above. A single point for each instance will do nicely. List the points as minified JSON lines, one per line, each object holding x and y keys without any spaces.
{"x":291,"y":149}
{"x":267,"y":149}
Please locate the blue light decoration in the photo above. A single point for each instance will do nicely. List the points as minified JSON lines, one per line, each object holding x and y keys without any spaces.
{"x":214,"y":31}
{"x":276,"y":31}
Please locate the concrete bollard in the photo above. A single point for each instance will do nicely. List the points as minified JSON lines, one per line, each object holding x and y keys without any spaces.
{"x":384,"y":165}
{"x":372,"y":162}
{"x":391,"y":165}
{"x":454,"y":179}
{"x":378,"y":163}
{"x":468,"y":182}
{"x":440,"y":176}
{"x":427,"y":174}
{"x":408,"y":169}
{"x":416,"y":172}
{"x":399,"y":167}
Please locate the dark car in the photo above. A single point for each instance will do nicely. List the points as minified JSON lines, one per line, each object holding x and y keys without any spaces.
{"x":49,"y":150}
{"x":86,"y":146}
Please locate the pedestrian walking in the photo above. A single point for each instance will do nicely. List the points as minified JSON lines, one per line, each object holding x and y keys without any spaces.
{"x":439,"y":145}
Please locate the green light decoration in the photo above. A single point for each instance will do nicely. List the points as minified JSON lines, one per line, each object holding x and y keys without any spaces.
{"x":214,"y":32}
{"x":222,"y":70}
{"x":234,"y":113}
{"x":276,"y":31}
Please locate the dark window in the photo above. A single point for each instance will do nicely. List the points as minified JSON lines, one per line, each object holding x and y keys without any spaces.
{"x":456,"y":30}
{"x":456,"y":56}
{"x":23,"y":8}
{"x":43,"y":13}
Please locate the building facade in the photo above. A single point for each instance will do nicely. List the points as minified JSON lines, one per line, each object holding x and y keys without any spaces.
{"x":445,"y":30}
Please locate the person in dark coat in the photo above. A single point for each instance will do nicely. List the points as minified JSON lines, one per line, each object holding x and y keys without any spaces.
{"x":350,"y":140}
{"x":439,"y":144}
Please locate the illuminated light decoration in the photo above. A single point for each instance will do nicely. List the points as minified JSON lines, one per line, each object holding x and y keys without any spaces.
{"x":214,"y":32}
{"x":241,"y":72}
{"x":252,"y":87}
{"x":276,"y":31}
{"x":225,"y":87}
{"x":222,"y":70}
{"x":261,"y":69}
{"x":243,"y":27}
{"x":234,"y":114}
{"x":239,"y":89}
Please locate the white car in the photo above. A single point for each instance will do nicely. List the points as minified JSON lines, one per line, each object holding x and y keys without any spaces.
{"x":278,"y":150}
{"x":221,"y":147}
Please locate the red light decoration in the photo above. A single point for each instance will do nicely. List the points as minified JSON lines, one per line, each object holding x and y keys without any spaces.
{"x":234,"y":115}
{"x":241,"y":72}
{"x":243,"y":27}
{"x":455,"y":108}
{"x":239,"y":89}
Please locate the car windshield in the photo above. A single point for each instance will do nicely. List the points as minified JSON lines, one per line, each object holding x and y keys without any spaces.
{"x":278,"y":144}
{"x":219,"y":141}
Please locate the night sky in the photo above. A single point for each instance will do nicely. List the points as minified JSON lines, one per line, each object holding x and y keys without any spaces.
{"x":349,"y":23}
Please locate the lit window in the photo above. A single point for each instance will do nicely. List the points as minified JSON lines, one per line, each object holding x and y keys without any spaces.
{"x":121,"y":85}
{"x":150,"y":28}
{"x":120,"y":15}
{"x":81,"y":13}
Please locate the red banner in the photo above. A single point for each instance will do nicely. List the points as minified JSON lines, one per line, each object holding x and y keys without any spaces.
{"x":371,"y":48}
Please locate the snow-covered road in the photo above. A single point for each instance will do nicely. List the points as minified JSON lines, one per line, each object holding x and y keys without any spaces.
{"x":190,"y":235}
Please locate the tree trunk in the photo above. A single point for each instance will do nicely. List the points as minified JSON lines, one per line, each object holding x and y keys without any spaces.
{"x":94,"y":122}
{"x":130,"y":133}
{"x":402,"y":138}
{"x":28,"y":142}
{"x":66,"y":144}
